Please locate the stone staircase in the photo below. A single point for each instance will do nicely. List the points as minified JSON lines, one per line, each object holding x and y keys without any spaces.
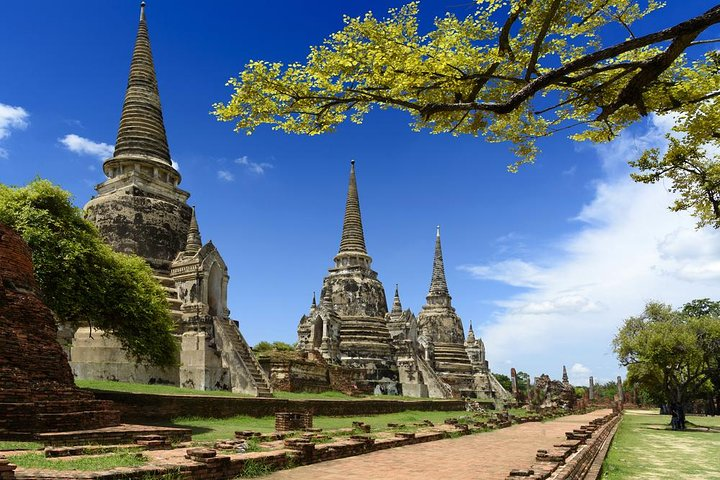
{"x":437,"y":388}
{"x":172,"y":296}
{"x":451,"y":357}
{"x":246,"y":374}
{"x":365,"y":337}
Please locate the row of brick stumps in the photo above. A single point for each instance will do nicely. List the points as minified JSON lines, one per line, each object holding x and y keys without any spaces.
{"x":577,"y":457}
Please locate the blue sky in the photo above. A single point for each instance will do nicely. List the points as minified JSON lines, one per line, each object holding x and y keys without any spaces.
{"x":546,"y":262}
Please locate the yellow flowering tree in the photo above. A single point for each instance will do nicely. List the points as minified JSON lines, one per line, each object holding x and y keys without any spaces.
{"x":512,"y":71}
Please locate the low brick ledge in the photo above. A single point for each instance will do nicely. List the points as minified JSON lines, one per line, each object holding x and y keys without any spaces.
{"x":120,"y":434}
{"x":575,"y":458}
{"x":141,"y":407}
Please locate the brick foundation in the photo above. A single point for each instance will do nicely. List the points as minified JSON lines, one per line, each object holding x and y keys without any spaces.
{"x":37,"y":390}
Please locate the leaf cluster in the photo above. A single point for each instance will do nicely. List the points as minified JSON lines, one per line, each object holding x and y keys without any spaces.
{"x":691,"y":163}
{"x":82,"y":279}
{"x":512,"y":71}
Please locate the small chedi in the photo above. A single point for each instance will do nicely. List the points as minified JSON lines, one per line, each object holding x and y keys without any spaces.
{"x":37,"y":389}
{"x":393,"y":351}
{"x":140,"y":209}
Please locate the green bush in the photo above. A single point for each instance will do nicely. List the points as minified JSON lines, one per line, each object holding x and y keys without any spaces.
{"x":82,"y":279}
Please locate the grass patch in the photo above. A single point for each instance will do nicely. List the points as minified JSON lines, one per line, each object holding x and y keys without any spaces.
{"x":89,"y":463}
{"x":255,"y":469}
{"x":175,"y":474}
{"x":20,"y":445}
{"x":645,"y":447}
{"x":212,"y":429}
{"x":156,"y":389}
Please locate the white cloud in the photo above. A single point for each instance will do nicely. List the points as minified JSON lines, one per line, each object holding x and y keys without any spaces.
{"x":175,"y":164}
{"x":515,"y":272}
{"x":11,"y":118}
{"x":225,"y":176}
{"x":562,"y":304}
{"x":579,"y":374}
{"x":258,"y":168}
{"x":628,"y":249}
{"x":84,"y":146}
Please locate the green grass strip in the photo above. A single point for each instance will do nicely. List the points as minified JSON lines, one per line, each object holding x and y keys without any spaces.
{"x":645,"y":447}
{"x":85,"y":463}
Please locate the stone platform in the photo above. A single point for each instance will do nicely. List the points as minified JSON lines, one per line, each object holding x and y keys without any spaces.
{"x":120,"y":434}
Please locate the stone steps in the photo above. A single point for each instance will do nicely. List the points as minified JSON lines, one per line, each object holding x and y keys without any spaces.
{"x":171,"y":292}
{"x":241,"y":349}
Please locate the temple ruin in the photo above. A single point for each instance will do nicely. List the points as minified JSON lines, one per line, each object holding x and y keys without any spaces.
{"x":140,"y":209}
{"x":423,"y":356}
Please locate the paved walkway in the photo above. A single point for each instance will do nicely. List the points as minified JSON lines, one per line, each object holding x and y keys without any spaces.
{"x":486,"y":456}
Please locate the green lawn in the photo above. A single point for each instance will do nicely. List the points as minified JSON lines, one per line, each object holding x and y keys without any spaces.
{"x":645,"y":447}
{"x":89,"y":463}
{"x":210,"y":429}
{"x":10,"y":445}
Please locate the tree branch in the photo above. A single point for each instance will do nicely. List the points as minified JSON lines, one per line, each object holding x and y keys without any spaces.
{"x":694,"y":25}
{"x":541,"y":38}
{"x":504,"y":38}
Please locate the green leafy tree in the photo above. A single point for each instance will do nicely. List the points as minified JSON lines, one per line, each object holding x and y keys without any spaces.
{"x":505,"y":381}
{"x":82,"y":279}
{"x":523,"y":382}
{"x":510,"y":71}
{"x":265,"y":346}
{"x":605,"y":391}
{"x":708,"y":336}
{"x":666,"y":351}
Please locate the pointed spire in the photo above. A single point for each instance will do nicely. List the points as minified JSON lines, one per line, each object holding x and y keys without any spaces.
{"x":565,"y":378}
{"x":438,"y":284}
{"x":353,"y":239}
{"x":471,"y":334}
{"x":314,"y":303}
{"x":397,"y":306}
{"x":142,"y":131}
{"x":194,"y":242}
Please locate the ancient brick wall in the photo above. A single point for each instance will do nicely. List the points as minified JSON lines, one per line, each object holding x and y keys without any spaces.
{"x":139,"y":407}
{"x":37,"y":390}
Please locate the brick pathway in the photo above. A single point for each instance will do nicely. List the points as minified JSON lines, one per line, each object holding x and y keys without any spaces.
{"x":485,"y":456}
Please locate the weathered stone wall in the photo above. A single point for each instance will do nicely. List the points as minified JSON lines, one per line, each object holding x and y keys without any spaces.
{"x":137,"y":222}
{"x":292,"y":373}
{"x":102,"y":357}
{"x":139,"y":407}
{"x":37,"y":390}
{"x":297,"y":375}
